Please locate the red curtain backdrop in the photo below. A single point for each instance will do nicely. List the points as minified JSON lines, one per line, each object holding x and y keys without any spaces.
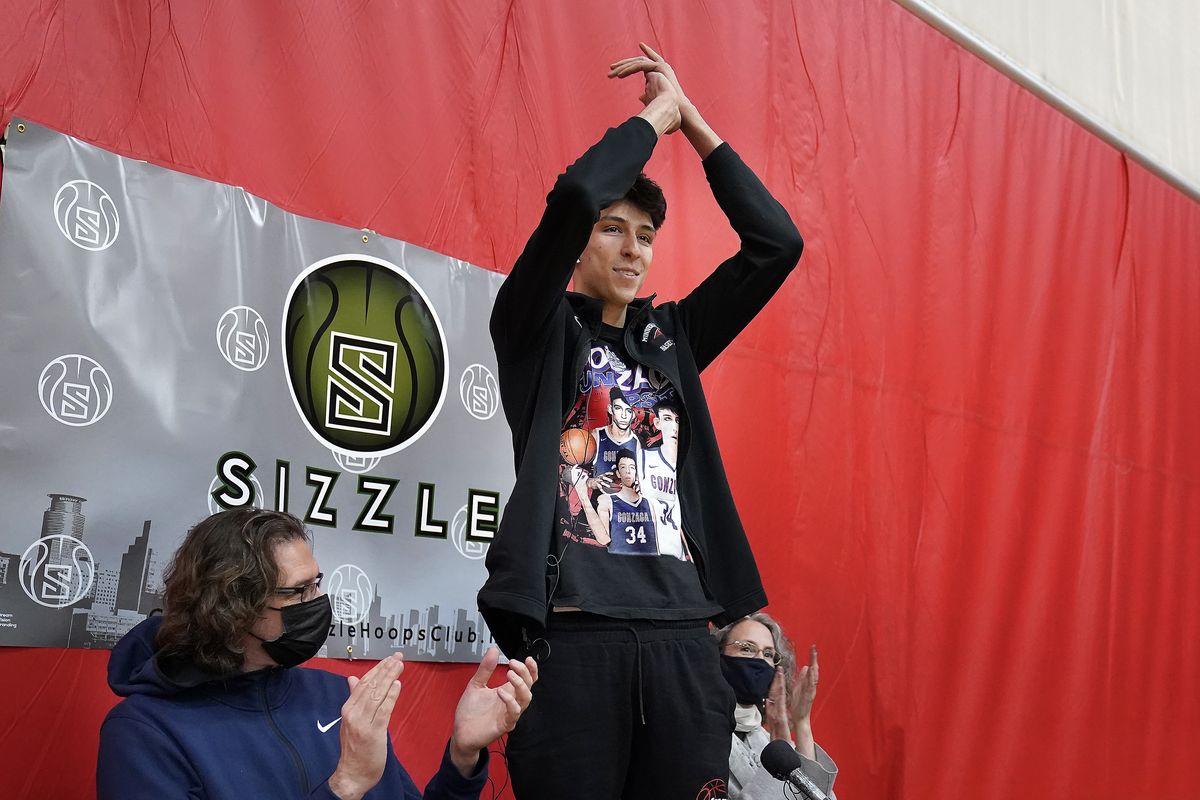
{"x":963,"y":437}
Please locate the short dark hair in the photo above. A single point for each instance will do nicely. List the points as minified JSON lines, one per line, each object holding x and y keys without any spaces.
{"x":666,"y":405}
{"x":625,"y":452}
{"x":615,"y":393}
{"x":218,"y":583}
{"x":648,"y":196}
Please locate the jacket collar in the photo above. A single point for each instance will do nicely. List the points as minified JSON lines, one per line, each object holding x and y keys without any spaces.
{"x":247,"y":691}
{"x":136,"y":666}
{"x":590,"y":310}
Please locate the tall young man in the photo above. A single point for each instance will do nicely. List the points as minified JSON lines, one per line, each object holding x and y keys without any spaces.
{"x":635,"y":705}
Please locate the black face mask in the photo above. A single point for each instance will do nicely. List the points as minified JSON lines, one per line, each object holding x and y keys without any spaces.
{"x":750,"y":678}
{"x":305,"y":629}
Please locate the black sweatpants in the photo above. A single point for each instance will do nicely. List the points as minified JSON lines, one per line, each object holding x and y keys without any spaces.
{"x":627,"y":709}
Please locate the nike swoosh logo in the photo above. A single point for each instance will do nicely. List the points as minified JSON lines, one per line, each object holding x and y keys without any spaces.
{"x":325,"y":728}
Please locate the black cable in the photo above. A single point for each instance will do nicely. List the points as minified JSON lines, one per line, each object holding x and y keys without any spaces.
{"x":556,"y":563}
{"x":503,"y":754}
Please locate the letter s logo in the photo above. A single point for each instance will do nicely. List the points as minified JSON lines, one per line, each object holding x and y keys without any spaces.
{"x":365,"y":355}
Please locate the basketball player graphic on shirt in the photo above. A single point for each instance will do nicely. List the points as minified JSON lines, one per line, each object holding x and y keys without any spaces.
{"x":611,"y":438}
{"x":624,"y":521}
{"x":656,"y":470}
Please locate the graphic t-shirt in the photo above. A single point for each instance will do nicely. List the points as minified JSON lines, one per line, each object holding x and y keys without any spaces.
{"x":620,"y":547}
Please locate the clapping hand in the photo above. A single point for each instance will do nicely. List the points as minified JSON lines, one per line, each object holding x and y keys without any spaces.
{"x":667,"y":107}
{"x":805,"y":690}
{"x":788,"y":714}
{"x":801,"y":702}
{"x":664,"y":100}
{"x":485,"y":714}
{"x":363,"y":732}
{"x":652,"y":65}
{"x":775,"y":716}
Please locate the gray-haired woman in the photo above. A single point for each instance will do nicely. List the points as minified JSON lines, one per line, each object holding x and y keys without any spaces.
{"x":774,"y":701}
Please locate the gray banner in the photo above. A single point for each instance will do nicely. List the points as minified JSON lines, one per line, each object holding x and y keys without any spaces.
{"x":173,"y":345}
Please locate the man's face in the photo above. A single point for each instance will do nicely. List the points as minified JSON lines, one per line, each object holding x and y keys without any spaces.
{"x":614,"y":264}
{"x":297,"y":568}
{"x":621,"y":414}
{"x":667,"y":421}
{"x":627,"y":472}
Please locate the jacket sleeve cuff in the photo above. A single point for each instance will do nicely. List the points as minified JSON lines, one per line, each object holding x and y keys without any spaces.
{"x":449,"y":784}
{"x":647,"y":129}
{"x":323,"y":792}
{"x":720,"y":159}
{"x":822,"y":771}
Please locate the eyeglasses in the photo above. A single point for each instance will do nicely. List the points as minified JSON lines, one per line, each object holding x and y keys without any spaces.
{"x":302,"y":594}
{"x":751,"y":650}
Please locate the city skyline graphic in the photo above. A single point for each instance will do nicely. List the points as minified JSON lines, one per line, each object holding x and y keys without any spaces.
{"x":45,"y":602}
{"x":112,"y":596}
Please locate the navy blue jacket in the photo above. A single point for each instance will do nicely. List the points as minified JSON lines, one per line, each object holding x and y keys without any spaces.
{"x":180,"y":733}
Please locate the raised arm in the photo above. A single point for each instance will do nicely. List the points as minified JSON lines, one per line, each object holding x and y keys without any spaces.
{"x":800,"y":705}
{"x":597,"y":518}
{"x":724,"y":303}
{"x":727,"y":300}
{"x":817,"y":764}
{"x":528,"y":297}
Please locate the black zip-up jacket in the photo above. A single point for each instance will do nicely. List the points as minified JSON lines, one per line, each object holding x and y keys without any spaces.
{"x":542,"y":334}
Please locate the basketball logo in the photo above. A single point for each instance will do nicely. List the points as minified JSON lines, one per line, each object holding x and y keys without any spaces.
{"x":479,"y":391}
{"x":242,"y":338}
{"x":576,"y":446}
{"x":365,"y":355}
{"x":350,"y":594}
{"x":86,"y":215}
{"x":473,"y":550}
{"x":75,"y":390}
{"x":57,"y":571}
{"x":355,"y":464}
{"x":713,"y":790}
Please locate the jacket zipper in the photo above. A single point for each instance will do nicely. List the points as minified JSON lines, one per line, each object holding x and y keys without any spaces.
{"x":286,"y":742}
{"x":579,"y":362}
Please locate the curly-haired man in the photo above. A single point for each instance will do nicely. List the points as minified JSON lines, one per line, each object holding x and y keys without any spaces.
{"x":215,"y":704}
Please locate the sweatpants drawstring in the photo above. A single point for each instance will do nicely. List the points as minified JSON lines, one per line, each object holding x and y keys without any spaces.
{"x":638,"y":640}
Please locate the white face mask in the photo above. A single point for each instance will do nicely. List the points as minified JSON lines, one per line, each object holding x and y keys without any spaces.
{"x":748,"y":718}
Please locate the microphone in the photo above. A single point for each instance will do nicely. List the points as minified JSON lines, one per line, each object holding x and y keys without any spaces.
{"x":779,"y":759}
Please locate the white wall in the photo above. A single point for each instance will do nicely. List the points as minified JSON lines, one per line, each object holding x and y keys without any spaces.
{"x":1130,"y":69}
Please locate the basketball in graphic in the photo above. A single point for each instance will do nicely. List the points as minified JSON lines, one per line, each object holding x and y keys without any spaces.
{"x":577,"y":446}
{"x":365,"y":355}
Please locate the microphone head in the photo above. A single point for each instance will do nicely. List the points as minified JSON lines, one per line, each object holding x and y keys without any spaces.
{"x":779,"y":759}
